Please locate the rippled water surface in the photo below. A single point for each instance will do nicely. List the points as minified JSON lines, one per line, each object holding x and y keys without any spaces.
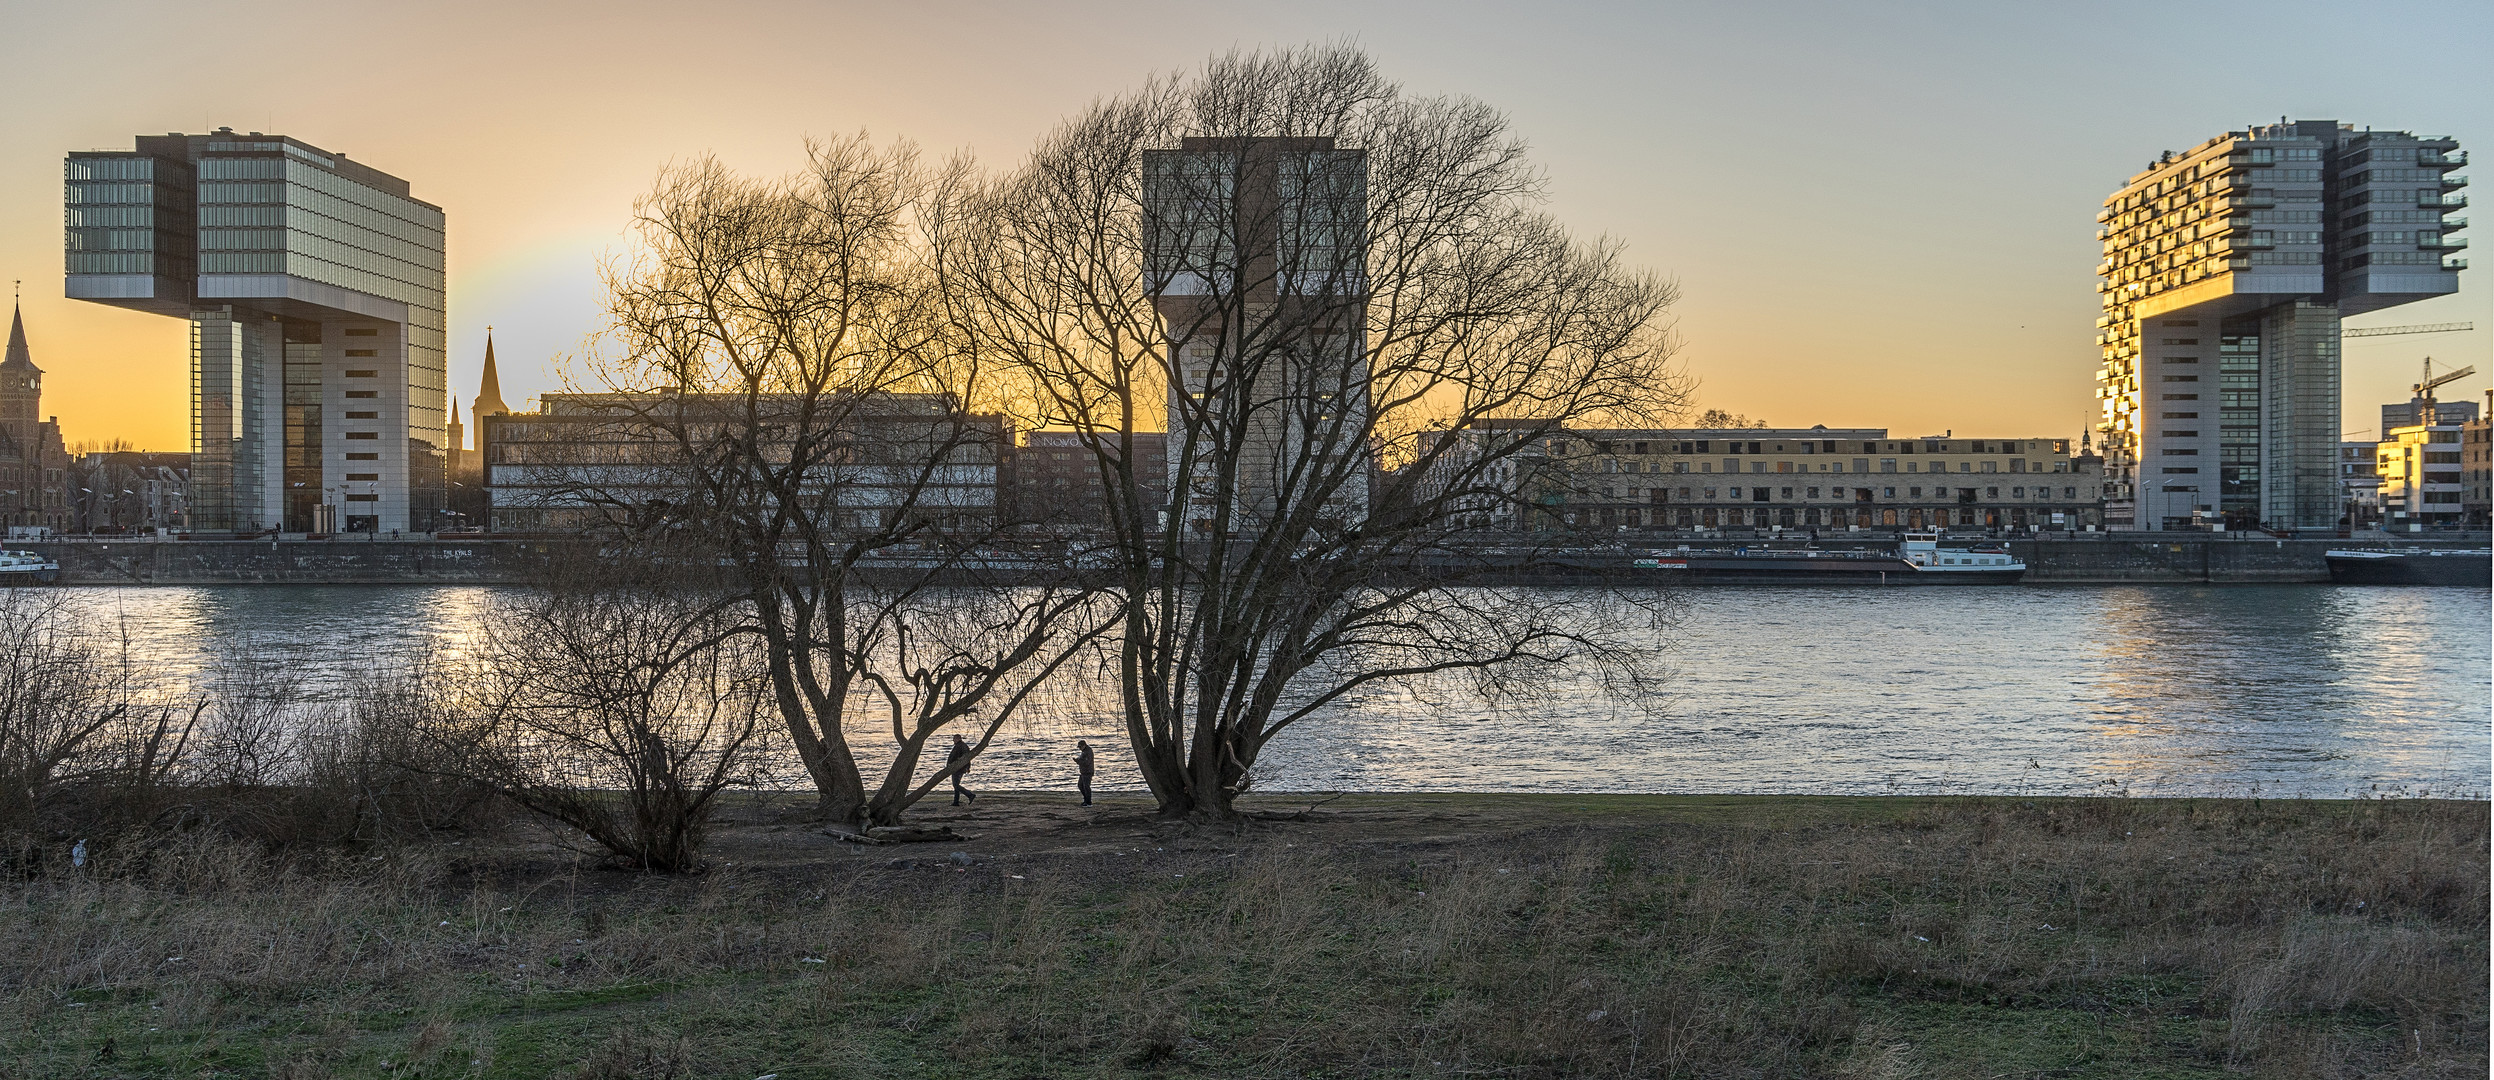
{"x":2280,"y":690}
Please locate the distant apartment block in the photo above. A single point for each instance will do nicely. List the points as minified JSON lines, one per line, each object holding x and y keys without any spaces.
{"x":2359,"y":475}
{"x":2476,"y":472}
{"x":2412,"y":412}
{"x":590,"y":461}
{"x":2226,"y":270}
{"x":1054,"y":480}
{"x":1618,"y":480}
{"x":2422,"y":477}
{"x":314,"y":289}
{"x":131,"y":491}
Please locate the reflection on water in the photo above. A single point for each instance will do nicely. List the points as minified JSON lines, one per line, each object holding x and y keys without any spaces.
{"x":2282,"y":690}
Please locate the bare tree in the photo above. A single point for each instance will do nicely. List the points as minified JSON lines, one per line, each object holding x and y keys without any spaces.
{"x":614,"y":704}
{"x":1355,"y":322}
{"x":789,"y":394}
{"x":1718,"y":419}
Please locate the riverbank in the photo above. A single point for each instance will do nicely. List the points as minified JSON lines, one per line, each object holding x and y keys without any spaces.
{"x":1418,"y":935}
{"x":2099,"y":559}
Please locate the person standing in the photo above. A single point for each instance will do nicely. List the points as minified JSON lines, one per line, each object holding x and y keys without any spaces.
{"x":958,"y":759}
{"x":1082,"y":768}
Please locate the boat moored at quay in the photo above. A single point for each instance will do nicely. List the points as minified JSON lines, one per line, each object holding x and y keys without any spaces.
{"x":1917,"y":560}
{"x":2411,"y":566}
{"x":27,"y":568}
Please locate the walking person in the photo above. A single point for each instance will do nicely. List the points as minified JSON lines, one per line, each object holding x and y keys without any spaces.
{"x":959,"y":759}
{"x":1082,"y":766}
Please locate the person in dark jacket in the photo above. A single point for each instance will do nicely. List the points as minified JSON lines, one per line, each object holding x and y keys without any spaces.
{"x":1082,"y":767}
{"x":959,"y":757}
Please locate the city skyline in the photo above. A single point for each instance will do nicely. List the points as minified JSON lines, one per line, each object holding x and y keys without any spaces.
{"x":1824,"y":229}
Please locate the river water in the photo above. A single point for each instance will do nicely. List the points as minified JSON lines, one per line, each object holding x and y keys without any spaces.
{"x":2282,"y":691}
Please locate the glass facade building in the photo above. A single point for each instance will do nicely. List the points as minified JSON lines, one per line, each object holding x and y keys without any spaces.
{"x":2226,"y":270}
{"x":315,"y":290}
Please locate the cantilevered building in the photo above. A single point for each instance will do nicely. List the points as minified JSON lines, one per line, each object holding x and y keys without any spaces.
{"x":2227,"y":267}
{"x":1255,"y":258}
{"x":314,"y":289}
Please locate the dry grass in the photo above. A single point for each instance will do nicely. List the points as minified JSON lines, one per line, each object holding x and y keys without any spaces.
{"x":1431,"y":936}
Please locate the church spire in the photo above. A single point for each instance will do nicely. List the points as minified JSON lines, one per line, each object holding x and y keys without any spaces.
{"x":19,"y":356}
{"x":489,"y":393}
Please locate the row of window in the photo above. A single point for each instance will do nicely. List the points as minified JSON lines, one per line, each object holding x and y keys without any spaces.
{"x":81,"y":194}
{"x":2394,"y":176}
{"x":1763,"y":494}
{"x":126,"y":167}
{"x":1806,"y":446}
{"x":138,"y":217}
{"x":2392,"y":258}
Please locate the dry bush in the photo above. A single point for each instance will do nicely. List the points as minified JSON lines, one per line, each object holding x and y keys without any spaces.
{"x":83,"y":751}
{"x":617,"y":705}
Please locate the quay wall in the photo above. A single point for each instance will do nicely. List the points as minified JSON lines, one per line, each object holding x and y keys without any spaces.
{"x":293,"y":562}
{"x":2183,"y":560}
{"x":2191,"y":559}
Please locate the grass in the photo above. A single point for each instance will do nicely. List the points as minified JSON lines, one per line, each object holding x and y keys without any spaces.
{"x":1420,"y":936}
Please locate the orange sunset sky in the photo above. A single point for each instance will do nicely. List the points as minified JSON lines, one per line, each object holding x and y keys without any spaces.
{"x":1879,"y":214}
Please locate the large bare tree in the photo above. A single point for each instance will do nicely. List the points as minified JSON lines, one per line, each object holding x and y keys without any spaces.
{"x":791,"y":398}
{"x":1348,"y":309}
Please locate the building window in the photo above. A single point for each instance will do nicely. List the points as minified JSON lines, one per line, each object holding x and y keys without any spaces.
{"x":363,"y":498}
{"x":363,"y":416}
{"x":363,"y":457}
{"x":360,"y":373}
{"x":362,"y":331}
{"x":363,"y":435}
{"x":362,"y":352}
{"x":363,"y":393}
{"x":363,"y":476}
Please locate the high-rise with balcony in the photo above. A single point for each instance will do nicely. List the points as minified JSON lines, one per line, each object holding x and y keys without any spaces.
{"x":2227,"y":267}
{"x":314,"y":289}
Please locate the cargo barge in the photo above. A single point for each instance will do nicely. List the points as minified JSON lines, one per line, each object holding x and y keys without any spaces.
{"x":1918,"y":560}
{"x":2411,"y":566}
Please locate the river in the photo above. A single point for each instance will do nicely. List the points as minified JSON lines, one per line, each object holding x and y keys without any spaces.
{"x":2279,"y":691}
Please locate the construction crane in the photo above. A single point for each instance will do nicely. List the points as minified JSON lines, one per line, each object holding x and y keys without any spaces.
{"x":2417,"y":328}
{"x":2424,"y":389}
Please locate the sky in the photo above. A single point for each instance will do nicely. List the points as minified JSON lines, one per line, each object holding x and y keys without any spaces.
{"x":1879,"y":215}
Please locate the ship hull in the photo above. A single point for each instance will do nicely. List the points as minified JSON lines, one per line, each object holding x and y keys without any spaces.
{"x":1753,"y":570}
{"x":2466,"y":569}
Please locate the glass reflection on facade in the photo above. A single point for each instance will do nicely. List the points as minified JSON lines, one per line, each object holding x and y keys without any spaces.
{"x":315,"y":288}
